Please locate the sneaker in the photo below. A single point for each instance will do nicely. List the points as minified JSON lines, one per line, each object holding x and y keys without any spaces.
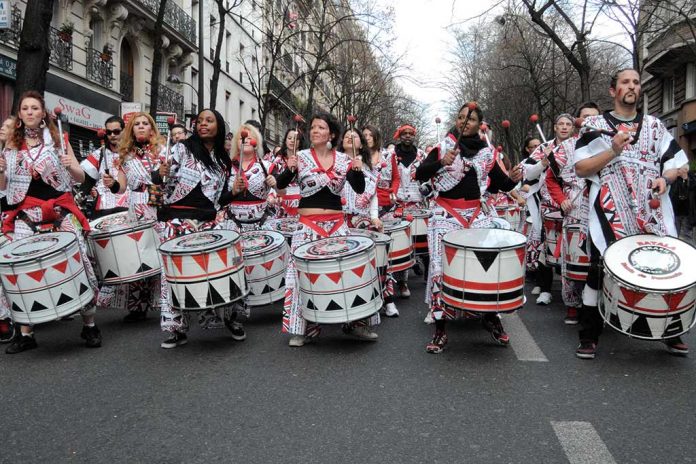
{"x":495,"y":326}
{"x":571,"y":316}
{"x":362,"y":332}
{"x":536,"y":290}
{"x":176,"y":339}
{"x":437,"y":344}
{"x":544,"y":299}
{"x":237,"y":330}
{"x":92,"y":336}
{"x":403,"y":289}
{"x":429,"y":318}
{"x":390,"y":310}
{"x":676,"y":346}
{"x":21,"y":343}
{"x":135,"y":316}
{"x":586,"y":349}
{"x":209,"y":320}
{"x":297,"y":341}
{"x":6,"y":330}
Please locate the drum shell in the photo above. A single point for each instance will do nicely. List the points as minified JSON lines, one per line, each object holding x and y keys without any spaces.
{"x":49,"y":286}
{"x":401,"y":255}
{"x":286,"y":226}
{"x":419,"y":231}
{"x":126,"y":254}
{"x":577,"y":263}
{"x":648,"y":313}
{"x":382,"y":245}
{"x":207,"y":277}
{"x":265,"y":270}
{"x":512,"y":214}
{"x":483,"y":279}
{"x":553,"y":228}
{"x":339,"y":290}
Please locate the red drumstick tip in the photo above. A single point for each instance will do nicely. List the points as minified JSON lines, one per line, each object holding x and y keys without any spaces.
{"x":57,"y":110}
{"x":484,"y":127}
{"x":499,"y":148}
{"x":472,"y":106}
{"x":438,"y":120}
{"x":252,"y":142}
{"x":171,"y":120}
{"x":101,"y":133}
{"x":409,"y":217}
{"x":534,"y":118}
{"x":297,"y":118}
{"x":654,"y":203}
{"x":343,"y":201}
{"x":505,"y":124}
{"x":384,"y":164}
{"x":244,"y":133}
{"x":352,"y":119}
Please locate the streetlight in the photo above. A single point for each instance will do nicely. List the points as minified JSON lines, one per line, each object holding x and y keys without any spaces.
{"x":175,"y":79}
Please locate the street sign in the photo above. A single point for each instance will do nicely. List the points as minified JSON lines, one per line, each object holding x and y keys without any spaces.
{"x":161,"y":121}
{"x":130,"y":108}
{"x":5,"y":14}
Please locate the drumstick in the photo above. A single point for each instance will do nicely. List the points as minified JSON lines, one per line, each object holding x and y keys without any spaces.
{"x":298,"y":119}
{"x":170,"y":123}
{"x":535,"y":120}
{"x":351,"y":125}
{"x":580,"y":123}
{"x":58,"y":111}
{"x":484,"y":129}
{"x":437,"y":126}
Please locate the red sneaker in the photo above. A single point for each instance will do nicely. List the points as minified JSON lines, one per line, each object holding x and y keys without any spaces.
{"x":677,"y":347}
{"x":437,"y":345}
{"x":571,"y":316}
{"x":6,"y":330}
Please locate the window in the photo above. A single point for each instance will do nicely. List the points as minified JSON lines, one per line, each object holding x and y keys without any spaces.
{"x":241,"y":110}
{"x":97,"y":27}
{"x":691,"y":80}
{"x":667,"y":94}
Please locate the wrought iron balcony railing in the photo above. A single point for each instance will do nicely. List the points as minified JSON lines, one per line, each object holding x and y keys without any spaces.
{"x":99,"y":69}
{"x":61,"y":50}
{"x":174,"y":16}
{"x":170,"y":100}
{"x":11,"y":36}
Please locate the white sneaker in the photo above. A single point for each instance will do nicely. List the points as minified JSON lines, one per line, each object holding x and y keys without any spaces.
{"x":297,"y":340}
{"x":544,"y":299}
{"x":403,"y":289}
{"x":363,"y":333}
{"x":390,"y":310}
{"x":429,"y":318}
{"x":536,"y":290}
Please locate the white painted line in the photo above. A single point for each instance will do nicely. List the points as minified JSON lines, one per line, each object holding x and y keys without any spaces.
{"x":581,"y":443}
{"x":521,"y":341}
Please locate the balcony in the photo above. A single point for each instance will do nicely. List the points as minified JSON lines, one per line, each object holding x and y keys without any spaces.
{"x":11,"y":36}
{"x":99,"y":70}
{"x":170,"y":101}
{"x":126,"y":87}
{"x":61,"y":51}
{"x":174,"y":16}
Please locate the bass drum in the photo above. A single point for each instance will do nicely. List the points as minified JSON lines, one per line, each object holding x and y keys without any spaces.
{"x":265,"y":260}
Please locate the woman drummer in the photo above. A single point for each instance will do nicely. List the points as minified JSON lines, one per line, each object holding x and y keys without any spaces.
{"x":6,"y":324}
{"x":458,"y":169}
{"x":293,"y":142}
{"x":37,"y":181}
{"x":362,"y":210}
{"x":321,"y":172}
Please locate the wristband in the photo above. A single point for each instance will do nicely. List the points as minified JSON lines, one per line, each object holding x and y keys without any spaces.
{"x":115,"y":187}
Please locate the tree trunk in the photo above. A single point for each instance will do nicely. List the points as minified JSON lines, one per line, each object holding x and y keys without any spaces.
{"x":157,"y":60}
{"x":217,"y":64}
{"x":34,"y":50}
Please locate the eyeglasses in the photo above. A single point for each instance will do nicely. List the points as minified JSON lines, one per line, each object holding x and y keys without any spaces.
{"x":113,"y":132}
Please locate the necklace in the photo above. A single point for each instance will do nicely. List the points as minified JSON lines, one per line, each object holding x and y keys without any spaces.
{"x":32,"y":133}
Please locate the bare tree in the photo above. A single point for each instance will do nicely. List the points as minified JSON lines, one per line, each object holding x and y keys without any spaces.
{"x":157,"y":59}
{"x":224,"y":8}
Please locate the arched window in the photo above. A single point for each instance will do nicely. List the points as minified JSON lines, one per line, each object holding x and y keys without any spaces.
{"x":127,"y":71}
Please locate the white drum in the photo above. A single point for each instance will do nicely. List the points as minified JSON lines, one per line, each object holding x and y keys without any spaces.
{"x":286,"y":226}
{"x":338,"y":279}
{"x":44,"y":277}
{"x":419,"y":229}
{"x":483,"y":270}
{"x":124,"y":251}
{"x":499,"y":223}
{"x":265,"y":261}
{"x":576,"y":263}
{"x":512,"y":214}
{"x":553,"y":227}
{"x":401,"y":255}
{"x":382,"y":245}
{"x":204,"y":269}
{"x":649,"y":287}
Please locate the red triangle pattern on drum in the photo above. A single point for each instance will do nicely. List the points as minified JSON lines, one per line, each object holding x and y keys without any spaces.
{"x":268,"y":265}
{"x":249,"y":269}
{"x":202,"y":260}
{"x":632,"y":297}
{"x":359,"y":271}
{"x":77,"y":257}
{"x":176,"y":259}
{"x":136,"y":235}
{"x":37,"y":275}
{"x":103,"y":242}
{"x":335,"y":276}
{"x":673,"y":300}
{"x":450,"y":253}
{"x":61,"y":267}
{"x":222,"y":254}
{"x":521,"y":254}
{"x":312,"y":277}
{"x":373,"y":261}
{"x":11,"y":278}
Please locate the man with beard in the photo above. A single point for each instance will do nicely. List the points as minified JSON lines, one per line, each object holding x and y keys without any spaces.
{"x":627,"y":156}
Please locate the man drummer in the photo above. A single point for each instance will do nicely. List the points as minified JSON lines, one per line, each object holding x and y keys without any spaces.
{"x":642,"y":158}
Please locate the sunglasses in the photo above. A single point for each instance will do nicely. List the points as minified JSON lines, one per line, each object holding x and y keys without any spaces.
{"x":113,"y":132}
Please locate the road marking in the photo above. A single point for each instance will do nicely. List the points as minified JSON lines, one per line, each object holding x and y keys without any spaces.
{"x":581,"y":443}
{"x":521,"y":341}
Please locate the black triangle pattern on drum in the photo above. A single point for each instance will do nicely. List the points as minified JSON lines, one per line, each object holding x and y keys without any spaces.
{"x":358,"y":301}
{"x":333,"y":306}
{"x":64,"y":299}
{"x":189,"y":301}
{"x":16,"y":308}
{"x":83,"y":288}
{"x":214,"y":297}
{"x":486,"y":258}
{"x":375,"y":293}
{"x":144,"y":267}
{"x":640,"y":326}
{"x":37,"y":307}
{"x":175,"y":300}
{"x":674,"y":327}
{"x":266,"y":289}
{"x":282,"y":283}
{"x":310,"y":305}
{"x":110,"y":274}
{"x":235,"y":291}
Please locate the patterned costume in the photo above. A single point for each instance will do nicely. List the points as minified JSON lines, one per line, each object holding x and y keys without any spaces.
{"x":248,"y":210}
{"x":291,"y":199}
{"x":95,"y":166}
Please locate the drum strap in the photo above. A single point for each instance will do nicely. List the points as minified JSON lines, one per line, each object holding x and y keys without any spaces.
{"x":312,"y":220}
{"x":48,"y":213}
{"x":465,"y":204}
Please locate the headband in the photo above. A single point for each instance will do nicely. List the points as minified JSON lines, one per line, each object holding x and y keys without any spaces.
{"x":402,"y":128}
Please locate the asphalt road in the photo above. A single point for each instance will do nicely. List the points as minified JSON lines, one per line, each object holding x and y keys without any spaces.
{"x":340,"y":400}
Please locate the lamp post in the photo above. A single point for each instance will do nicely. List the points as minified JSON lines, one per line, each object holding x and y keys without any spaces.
{"x":175,"y":79}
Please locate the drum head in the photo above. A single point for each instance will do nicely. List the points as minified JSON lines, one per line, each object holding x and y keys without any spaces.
{"x":375,"y":236}
{"x":198,"y":242}
{"x":333,"y":247}
{"x":484,"y":239}
{"x":554,"y":216}
{"x":652,"y":262}
{"x":261,"y":242}
{"x":36,"y":246}
{"x":393,"y":226}
{"x":108,"y":225}
{"x":500,"y":223}
{"x":417,"y":213}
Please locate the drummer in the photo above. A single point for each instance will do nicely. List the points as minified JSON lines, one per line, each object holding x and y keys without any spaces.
{"x":570,"y":192}
{"x":535,"y":167}
{"x":7,"y":328}
{"x":293,"y":142}
{"x":321,"y":172}
{"x":362,"y":209}
{"x":642,"y":153}
{"x":456,"y":176}
{"x":37,"y":181}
